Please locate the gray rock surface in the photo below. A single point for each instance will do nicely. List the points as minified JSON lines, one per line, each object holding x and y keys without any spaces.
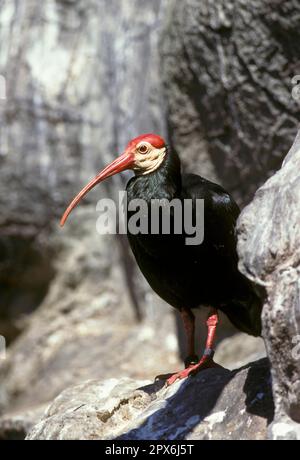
{"x":82,"y":78}
{"x":15,"y":426}
{"x":238,"y":350}
{"x":85,"y":328}
{"x":75,"y":95}
{"x":215,"y":404}
{"x":227,"y":69}
{"x":269,"y":241}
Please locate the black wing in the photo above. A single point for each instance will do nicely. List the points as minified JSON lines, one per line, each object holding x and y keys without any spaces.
{"x":220,"y":215}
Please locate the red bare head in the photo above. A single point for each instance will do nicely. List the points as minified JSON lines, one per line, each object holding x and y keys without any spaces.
{"x":143,"y":154}
{"x":153,"y":139}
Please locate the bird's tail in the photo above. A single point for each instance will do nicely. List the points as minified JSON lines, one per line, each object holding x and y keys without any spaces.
{"x":245,"y":315}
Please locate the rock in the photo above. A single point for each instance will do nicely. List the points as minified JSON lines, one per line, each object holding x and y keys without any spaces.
{"x":234,"y":110}
{"x":75,"y":296}
{"x":82,"y":78}
{"x":215,"y":404}
{"x":75,"y":96}
{"x":85,"y":327}
{"x":68,"y":111}
{"x":227,"y":67}
{"x":238,"y":350}
{"x":16,"y":426}
{"x":269,"y":241}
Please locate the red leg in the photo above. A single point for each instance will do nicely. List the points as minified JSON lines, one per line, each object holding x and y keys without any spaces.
{"x":207,"y":358}
{"x":188,"y":319}
{"x":211,"y":323}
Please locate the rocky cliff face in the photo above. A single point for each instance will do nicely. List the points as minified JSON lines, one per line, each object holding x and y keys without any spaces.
{"x":85,"y":328}
{"x":269,"y":240}
{"x":79,"y":84}
{"x":82,"y":78}
{"x":216,"y":404}
{"x":228,"y":67}
{"x":228,"y":73}
{"x":79,"y":81}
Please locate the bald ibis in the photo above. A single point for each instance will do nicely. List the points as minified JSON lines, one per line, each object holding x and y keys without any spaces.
{"x":186,"y":276}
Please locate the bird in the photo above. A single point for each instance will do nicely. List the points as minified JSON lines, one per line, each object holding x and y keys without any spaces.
{"x":186,"y":276}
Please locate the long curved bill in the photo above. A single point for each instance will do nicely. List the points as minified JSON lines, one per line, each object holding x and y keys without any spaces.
{"x":123,"y":162}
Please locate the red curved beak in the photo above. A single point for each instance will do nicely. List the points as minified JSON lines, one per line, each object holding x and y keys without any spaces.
{"x":123,"y":162}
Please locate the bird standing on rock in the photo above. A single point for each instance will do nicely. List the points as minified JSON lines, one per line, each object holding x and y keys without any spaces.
{"x":186,"y":276}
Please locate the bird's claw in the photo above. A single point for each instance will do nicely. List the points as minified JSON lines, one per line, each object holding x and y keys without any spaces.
{"x":204,"y":363}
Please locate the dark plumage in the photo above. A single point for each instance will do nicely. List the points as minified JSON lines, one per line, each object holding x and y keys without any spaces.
{"x":191,"y":276}
{"x":186,"y":276}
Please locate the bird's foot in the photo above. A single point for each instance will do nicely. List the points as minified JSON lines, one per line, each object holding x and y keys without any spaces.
{"x":189,"y":361}
{"x":205,"y":362}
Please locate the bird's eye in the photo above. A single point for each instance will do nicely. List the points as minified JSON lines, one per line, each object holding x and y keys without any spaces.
{"x":143,"y":148}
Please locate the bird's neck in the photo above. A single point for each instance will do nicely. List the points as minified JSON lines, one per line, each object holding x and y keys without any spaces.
{"x":162,"y":183}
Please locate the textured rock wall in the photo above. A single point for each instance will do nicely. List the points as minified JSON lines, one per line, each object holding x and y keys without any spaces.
{"x":216,"y":404}
{"x":78,"y":81}
{"x":227,"y":68}
{"x":269,"y":241}
{"x":80,"y":78}
{"x":85,"y":327}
